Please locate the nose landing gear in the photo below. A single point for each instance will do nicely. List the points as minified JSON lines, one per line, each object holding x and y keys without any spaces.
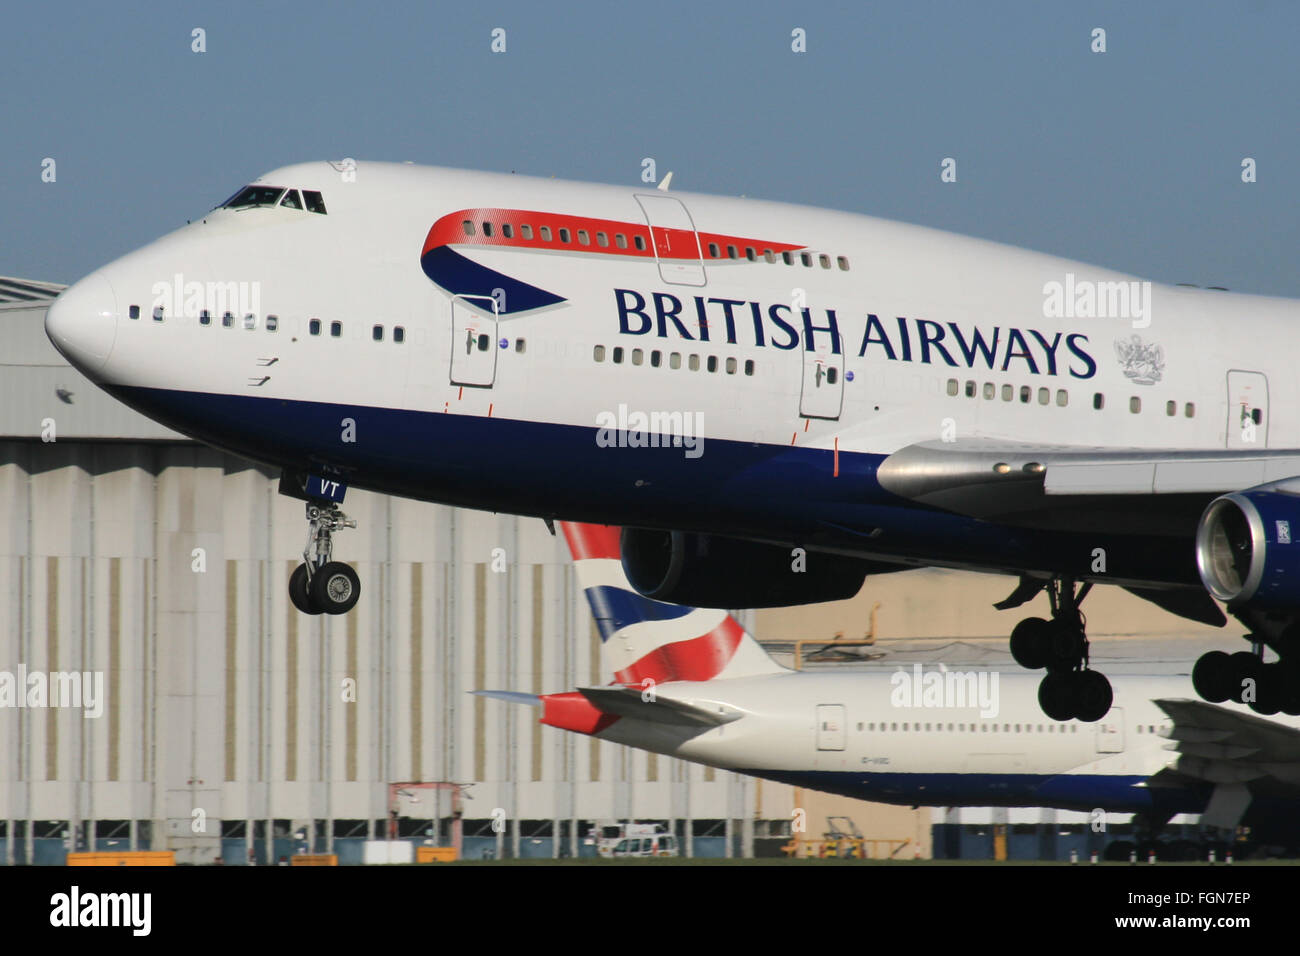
{"x":1071,"y":689}
{"x":321,"y":585}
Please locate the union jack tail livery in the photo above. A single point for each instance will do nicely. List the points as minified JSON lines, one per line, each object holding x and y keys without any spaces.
{"x":645,"y":644}
{"x":644,"y":640}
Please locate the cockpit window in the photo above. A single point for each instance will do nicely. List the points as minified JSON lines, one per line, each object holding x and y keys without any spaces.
{"x":255,"y":196}
{"x":314,"y":201}
{"x":291,"y":200}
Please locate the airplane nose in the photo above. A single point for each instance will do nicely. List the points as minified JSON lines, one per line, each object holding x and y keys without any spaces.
{"x":82,"y":322}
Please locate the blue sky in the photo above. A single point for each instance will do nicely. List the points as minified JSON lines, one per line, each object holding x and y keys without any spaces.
{"x":1129,"y":159}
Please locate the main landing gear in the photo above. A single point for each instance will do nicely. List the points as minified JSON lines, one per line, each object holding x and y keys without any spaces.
{"x":1244,"y":677}
{"x":1071,"y":689}
{"x":321,"y":585}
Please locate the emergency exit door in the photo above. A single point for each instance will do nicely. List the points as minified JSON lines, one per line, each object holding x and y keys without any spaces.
{"x":830,"y":727}
{"x":473,"y":340}
{"x":676,"y":245}
{"x":822,"y":394}
{"x":1247,"y":409}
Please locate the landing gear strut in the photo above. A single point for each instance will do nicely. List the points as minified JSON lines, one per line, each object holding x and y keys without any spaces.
{"x":321,"y":585}
{"x":1071,"y":689}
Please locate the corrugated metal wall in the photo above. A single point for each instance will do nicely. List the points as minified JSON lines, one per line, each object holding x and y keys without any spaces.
{"x":164,"y":567}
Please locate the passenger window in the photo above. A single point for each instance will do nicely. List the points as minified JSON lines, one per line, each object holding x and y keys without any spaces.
{"x":639,"y":241}
{"x":1098,"y":401}
{"x":1062,"y":397}
{"x":227,"y":320}
{"x":953,"y":386}
{"x":483,"y":342}
{"x":602,"y":240}
{"x":133,"y":312}
{"x":399,"y":334}
{"x":598,"y":353}
{"x":526,"y":231}
{"x":731,"y":253}
{"x":583,"y":238}
{"x":1025,"y":394}
{"x":272,"y":323}
{"x":520,"y":345}
{"x":313,"y":201}
{"x":507,"y":230}
{"x":713,"y":250}
{"x":157,"y":313}
{"x":675,"y":360}
{"x":655,"y":358}
{"x":970,"y":389}
{"x":787,"y":258}
{"x":336,"y":329}
{"x":990,"y":390}
{"x":1044,"y":396}
{"x":250,"y":320}
{"x":806,"y":259}
{"x":1171,"y":409}
{"x":487,"y":229}
{"x":1190,"y":409}
{"x":468,"y":226}
{"x":620,"y":240}
{"x":291,"y":200}
{"x":564,"y":234}
{"x":713,"y":363}
{"x":546,"y":233}
{"x":1135,"y":404}
{"x":825,"y":260}
{"x":618,"y":354}
{"x":750,"y":254}
{"x":313,"y":326}
{"x":844,"y":263}
{"x":205,"y":317}
{"x":1007,"y":393}
{"x":637,"y":356}
{"x":377,"y":333}
{"x":1257,"y":416}
{"x":732,"y":366}
{"x":693,"y":363}
{"x":769,"y":256}
{"x":749,"y":366}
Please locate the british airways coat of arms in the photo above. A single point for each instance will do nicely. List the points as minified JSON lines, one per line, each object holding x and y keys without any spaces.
{"x":1144,"y":364}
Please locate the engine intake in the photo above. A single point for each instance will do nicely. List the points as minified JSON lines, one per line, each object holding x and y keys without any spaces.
{"x":1245,"y":552}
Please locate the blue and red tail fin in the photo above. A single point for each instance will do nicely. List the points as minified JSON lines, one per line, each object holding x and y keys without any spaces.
{"x":643,"y":639}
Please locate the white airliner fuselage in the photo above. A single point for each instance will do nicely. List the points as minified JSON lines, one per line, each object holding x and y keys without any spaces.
{"x":881,"y":395}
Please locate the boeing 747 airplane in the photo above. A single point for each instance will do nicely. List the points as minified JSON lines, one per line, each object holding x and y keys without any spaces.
{"x":775,"y":400}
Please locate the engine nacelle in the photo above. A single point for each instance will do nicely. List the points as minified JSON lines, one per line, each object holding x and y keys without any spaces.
{"x":704,"y":570}
{"x":1245,"y":549}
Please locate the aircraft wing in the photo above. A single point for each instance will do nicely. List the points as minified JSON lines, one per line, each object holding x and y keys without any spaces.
{"x":1240,"y":755}
{"x":1073,"y":488}
{"x":632,"y":702}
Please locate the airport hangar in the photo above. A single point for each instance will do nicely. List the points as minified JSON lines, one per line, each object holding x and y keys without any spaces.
{"x":234,"y":729}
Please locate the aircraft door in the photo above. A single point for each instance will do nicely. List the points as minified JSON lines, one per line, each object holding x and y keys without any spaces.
{"x":822,"y":394}
{"x":473,"y":340}
{"x":830,"y":727}
{"x":676,"y":245}
{"x":1110,"y":732}
{"x":1247,"y":409}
